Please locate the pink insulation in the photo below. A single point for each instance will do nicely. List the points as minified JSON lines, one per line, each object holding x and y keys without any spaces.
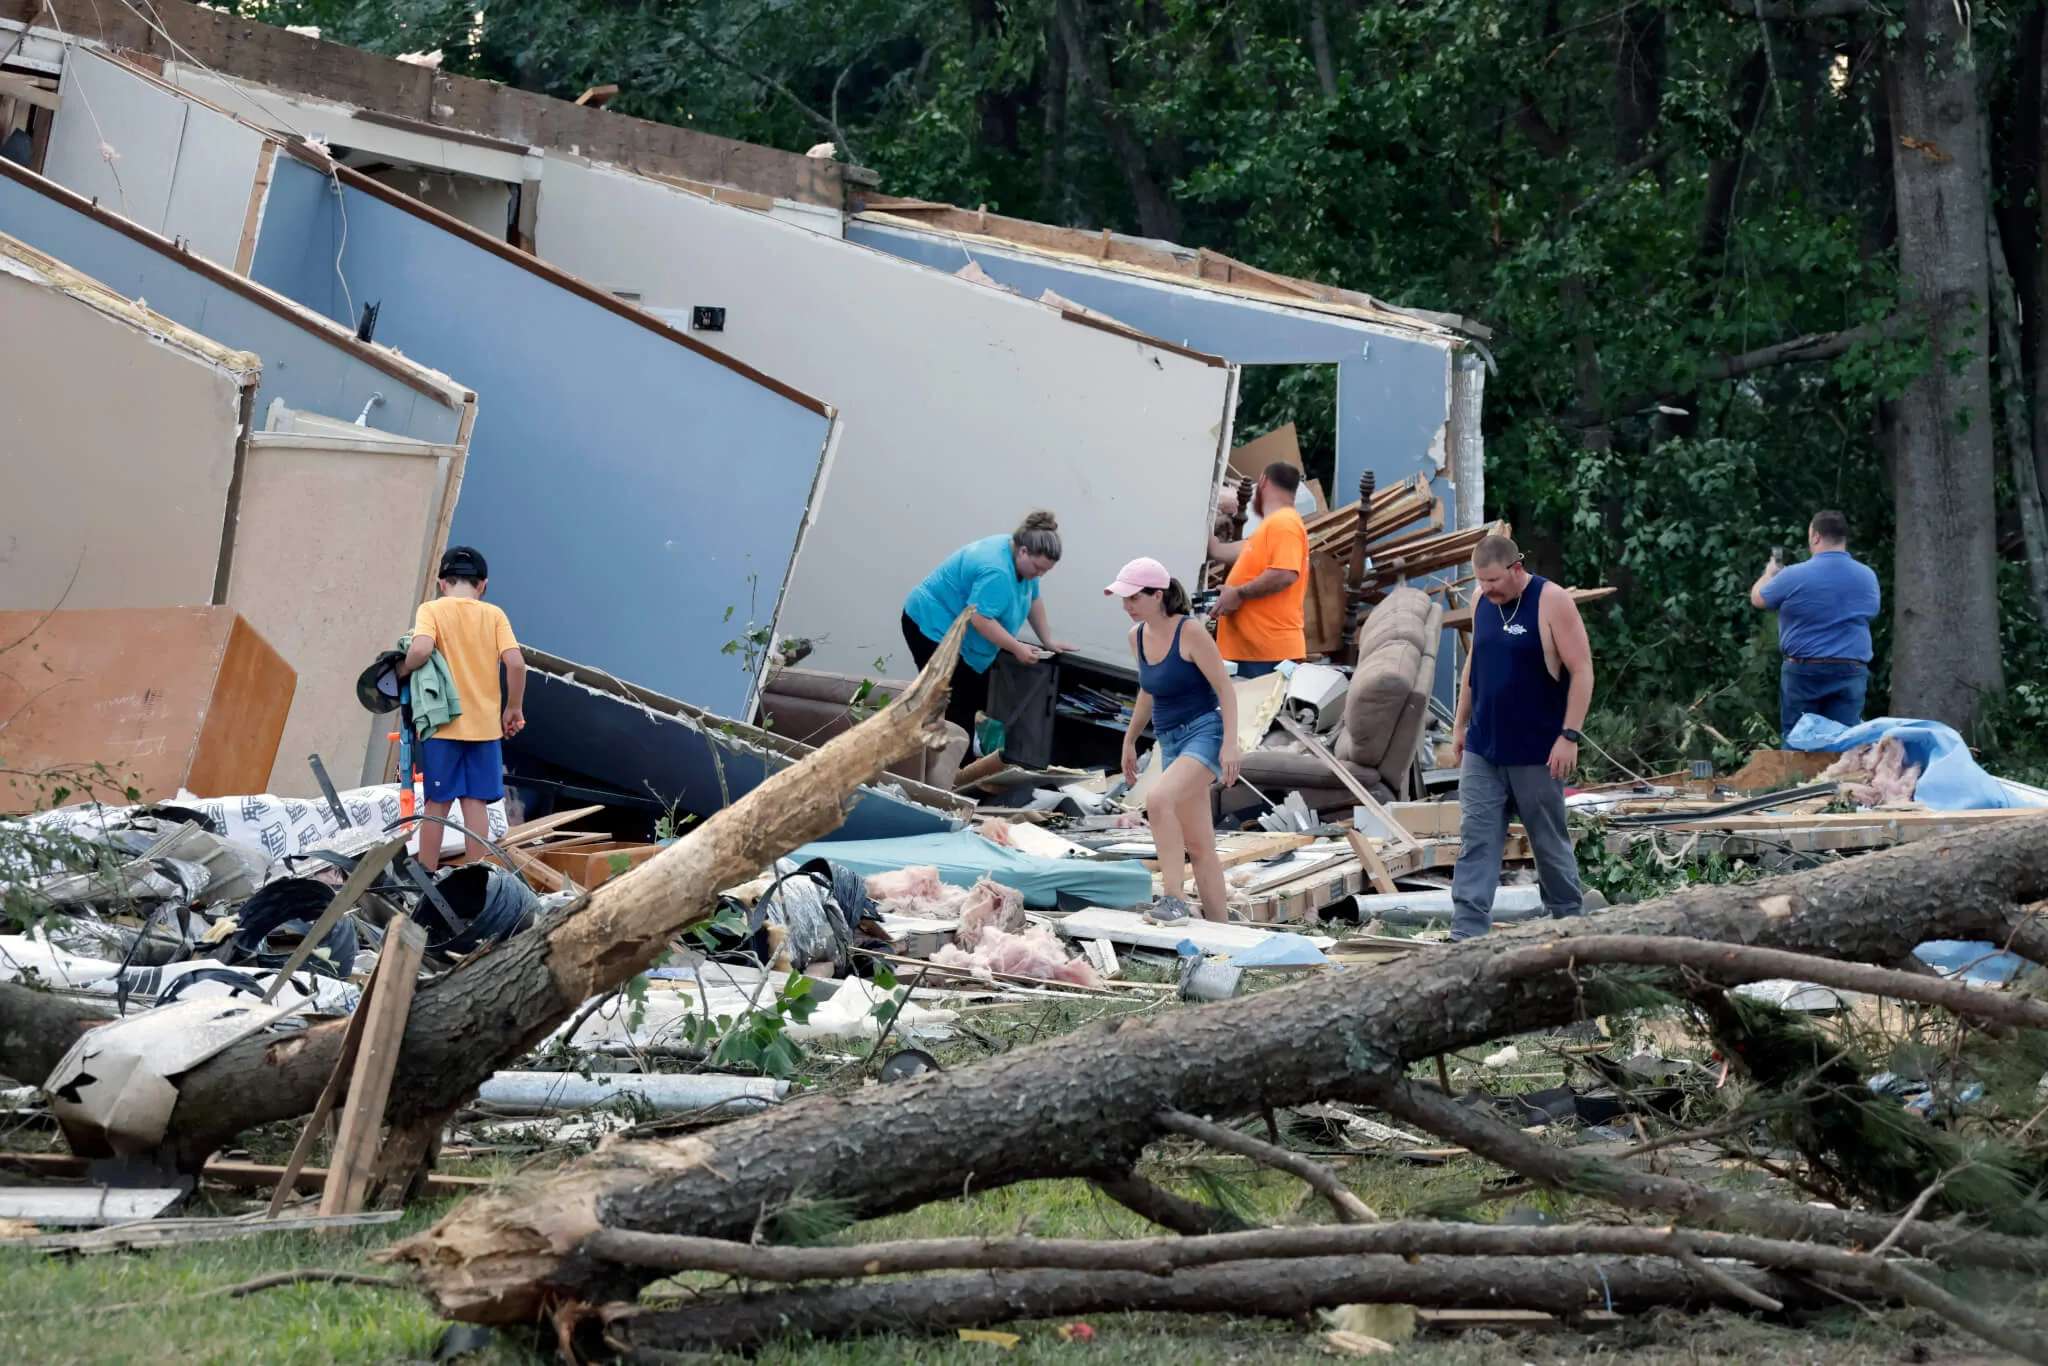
{"x":989,"y":906}
{"x":1876,"y":775}
{"x":1037,"y":952}
{"x":917,"y":891}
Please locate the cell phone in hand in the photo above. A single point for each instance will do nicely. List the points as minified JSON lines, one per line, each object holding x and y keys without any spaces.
{"x":1778,"y":554}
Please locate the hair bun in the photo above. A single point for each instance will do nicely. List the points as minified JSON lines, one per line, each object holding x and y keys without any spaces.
{"x":1040,"y":520}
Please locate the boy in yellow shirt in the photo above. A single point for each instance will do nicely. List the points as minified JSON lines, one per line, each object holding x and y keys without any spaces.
{"x":462,"y":760}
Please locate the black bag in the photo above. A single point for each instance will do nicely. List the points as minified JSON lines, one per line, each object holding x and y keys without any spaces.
{"x":1022,"y":696}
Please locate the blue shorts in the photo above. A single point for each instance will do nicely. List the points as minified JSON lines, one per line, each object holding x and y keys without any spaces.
{"x":456,"y":769}
{"x":1255,"y":668}
{"x":1201,"y":738}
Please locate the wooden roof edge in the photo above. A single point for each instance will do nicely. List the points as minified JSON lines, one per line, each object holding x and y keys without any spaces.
{"x":296,"y":64}
{"x":1191,"y":265}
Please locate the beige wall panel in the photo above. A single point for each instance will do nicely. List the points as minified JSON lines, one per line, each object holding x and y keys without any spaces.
{"x":327,"y":567}
{"x":116,"y":452}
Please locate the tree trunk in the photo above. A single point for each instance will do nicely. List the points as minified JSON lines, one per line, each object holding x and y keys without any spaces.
{"x":1158,"y":215}
{"x":1724,"y":174}
{"x":37,"y":1028}
{"x":1290,"y":1289}
{"x":1319,"y":47}
{"x":2037,"y":69}
{"x":1638,"y":81}
{"x":1945,"y":655}
{"x":2019,"y":431}
{"x":1053,"y":192}
{"x":496,"y":1007}
{"x":1084,"y":1105}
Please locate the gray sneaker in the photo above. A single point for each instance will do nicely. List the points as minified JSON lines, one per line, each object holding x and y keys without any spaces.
{"x":1168,"y":910}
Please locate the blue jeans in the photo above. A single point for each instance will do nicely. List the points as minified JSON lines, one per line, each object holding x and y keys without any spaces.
{"x":1201,"y":738}
{"x":1489,"y":795}
{"x":1831,"y":690}
{"x":1255,"y":668}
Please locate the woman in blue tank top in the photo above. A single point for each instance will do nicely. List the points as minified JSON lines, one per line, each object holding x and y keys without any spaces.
{"x":1186,"y":695}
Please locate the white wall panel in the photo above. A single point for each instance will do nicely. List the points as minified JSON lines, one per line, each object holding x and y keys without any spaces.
{"x":175,"y":167}
{"x":961,"y":407}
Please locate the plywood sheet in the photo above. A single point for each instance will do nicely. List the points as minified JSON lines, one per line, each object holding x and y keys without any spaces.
{"x":329,"y":556}
{"x":162,"y":697}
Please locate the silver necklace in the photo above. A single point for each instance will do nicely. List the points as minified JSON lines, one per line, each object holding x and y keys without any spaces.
{"x":1508,"y":618}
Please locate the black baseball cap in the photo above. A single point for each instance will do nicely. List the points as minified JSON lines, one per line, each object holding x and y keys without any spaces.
{"x":463,"y":562}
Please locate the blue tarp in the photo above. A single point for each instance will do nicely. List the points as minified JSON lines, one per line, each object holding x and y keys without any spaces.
{"x":1950,"y":779}
{"x":964,"y":858}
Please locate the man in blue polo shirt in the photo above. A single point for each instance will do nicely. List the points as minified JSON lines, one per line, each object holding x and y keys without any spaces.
{"x":1824,"y":607}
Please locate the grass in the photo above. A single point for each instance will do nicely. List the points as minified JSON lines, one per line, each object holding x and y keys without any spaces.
{"x":153,"y":1307}
{"x":49,"y":1317}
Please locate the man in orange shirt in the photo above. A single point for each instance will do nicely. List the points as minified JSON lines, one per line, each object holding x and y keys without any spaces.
{"x":461,"y":760}
{"x":1258,"y":617}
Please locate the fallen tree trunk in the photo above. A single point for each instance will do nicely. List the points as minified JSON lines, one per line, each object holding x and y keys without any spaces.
{"x":37,"y":1028}
{"x":497,"y":1006}
{"x":1289,"y":1288}
{"x":1083,"y":1105}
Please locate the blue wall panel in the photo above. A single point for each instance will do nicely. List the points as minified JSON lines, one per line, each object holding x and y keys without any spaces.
{"x":306,"y":369}
{"x":628,"y":491}
{"x":1393,"y":393}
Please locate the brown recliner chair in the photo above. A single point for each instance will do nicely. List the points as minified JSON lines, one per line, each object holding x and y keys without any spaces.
{"x":813,"y":706}
{"x":1384,"y":711}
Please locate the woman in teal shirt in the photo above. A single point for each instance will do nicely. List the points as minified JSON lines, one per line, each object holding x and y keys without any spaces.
{"x":998,"y":577}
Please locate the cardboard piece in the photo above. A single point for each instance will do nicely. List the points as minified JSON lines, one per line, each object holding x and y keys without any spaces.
{"x":592,"y":864}
{"x":165,"y":697}
{"x":1250,"y":460}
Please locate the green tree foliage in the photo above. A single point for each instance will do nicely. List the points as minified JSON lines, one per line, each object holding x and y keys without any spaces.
{"x":1635,"y":195}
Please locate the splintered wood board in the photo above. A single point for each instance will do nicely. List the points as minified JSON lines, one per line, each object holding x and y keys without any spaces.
{"x":1237,"y":849}
{"x":1210,"y":936}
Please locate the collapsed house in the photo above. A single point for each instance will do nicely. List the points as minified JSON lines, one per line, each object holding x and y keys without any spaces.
{"x":696,"y":380}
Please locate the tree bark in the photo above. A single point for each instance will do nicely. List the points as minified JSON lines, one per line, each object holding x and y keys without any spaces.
{"x":1053,"y":192}
{"x":1083,"y":1105}
{"x":1724,"y":174}
{"x":1638,"y":80}
{"x":1945,"y":653}
{"x":2019,"y":430}
{"x":496,"y":1007}
{"x":2037,"y":68}
{"x":1292,"y":1289}
{"x":1319,"y":47}
{"x":1158,"y":215}
{"x":37,"y":1028}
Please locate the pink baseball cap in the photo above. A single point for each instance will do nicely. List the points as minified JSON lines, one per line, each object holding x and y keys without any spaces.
{"x":1137,"y":576}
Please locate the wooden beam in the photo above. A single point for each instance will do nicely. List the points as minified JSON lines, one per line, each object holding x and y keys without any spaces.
{"x":30,"y":90}
{"x":1346,"y":777}
{"x":362,"y":1120}
{"x":597,"y":96}
{"x":1375,"y":868}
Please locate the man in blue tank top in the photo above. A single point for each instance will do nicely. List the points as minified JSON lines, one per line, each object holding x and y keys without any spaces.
{"x":1528,"y":682}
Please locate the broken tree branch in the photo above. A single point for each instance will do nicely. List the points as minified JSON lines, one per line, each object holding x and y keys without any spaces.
{"x":1811,"y":346}
{"x":1160,"y":1256}
{"x":1729,"y":964}
{"x":1702,"y":1205}
{"x":1320,"y":1179}
{"x":1147,"y":1200}
{"x":498,"y":1005}
{"x":1289,"y":1288}
{"x":1085,"y":1104}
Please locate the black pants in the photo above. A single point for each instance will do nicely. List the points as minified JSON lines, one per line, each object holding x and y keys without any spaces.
{"x":970,"y":685}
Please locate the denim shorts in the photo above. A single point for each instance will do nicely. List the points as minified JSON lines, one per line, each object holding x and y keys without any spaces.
{"x":1201,"y":738}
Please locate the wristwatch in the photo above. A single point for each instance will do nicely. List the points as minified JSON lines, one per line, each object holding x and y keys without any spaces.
{"x":1571,"y":735}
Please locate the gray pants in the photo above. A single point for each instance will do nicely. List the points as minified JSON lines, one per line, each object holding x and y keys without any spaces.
{"x":1489,"y":795}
